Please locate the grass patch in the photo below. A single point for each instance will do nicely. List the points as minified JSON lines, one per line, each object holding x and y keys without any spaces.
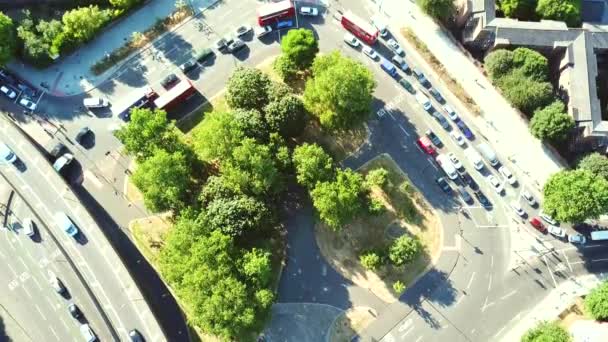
{"x":189,"y":122}
{"x":338,"y":144}
{"x":149,"y":235}
{"x":139,"y":40}
{"x":406,"y":213}
{"x":430,"y":58}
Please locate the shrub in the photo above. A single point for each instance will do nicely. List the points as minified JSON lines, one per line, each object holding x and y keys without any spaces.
{"x":375,"y":206}
{"x":596,"y":302}
{"x":377,"y":177}
{"x":370,"y":260}
{"x":398,"y":286}
{"x":404,"y":250}
{"x":547,"y":332}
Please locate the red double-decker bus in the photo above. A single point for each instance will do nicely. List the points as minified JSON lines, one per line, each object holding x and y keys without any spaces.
{"x":360,"y":28}
{"x":274,"y":12}
{"x":178,"y":93}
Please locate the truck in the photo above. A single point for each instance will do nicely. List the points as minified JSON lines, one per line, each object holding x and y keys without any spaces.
{"x":145,"y":99}
{"x":180,"y":92}
{"x":599,"y":235}
{"x":447,"y":166}
{"x":488,"y":153}
{"x":474,"y":158}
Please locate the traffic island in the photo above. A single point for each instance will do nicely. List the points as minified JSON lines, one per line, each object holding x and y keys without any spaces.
{"x":351,"y":323}
{"x":405,"y":212}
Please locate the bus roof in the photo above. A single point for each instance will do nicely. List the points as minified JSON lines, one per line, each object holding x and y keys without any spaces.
{"x":274,"y":7}
{"x":362,"y":24}
{"x":173,"y":93}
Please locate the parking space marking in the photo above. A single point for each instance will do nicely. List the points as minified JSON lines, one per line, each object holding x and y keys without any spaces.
{"x":403,"y":129}
{"x":54,"y":333}
{"x":508,"y":295}
{"x":471,"y":280}
{"x":550,"y":271}
{"x":567,"y":262}
{"x":490,"y":283}
{"x":40,"y":312}
{"x":599,"y":260}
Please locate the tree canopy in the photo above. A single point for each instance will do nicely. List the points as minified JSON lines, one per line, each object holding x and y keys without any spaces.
{"x":596,"y":302}
{"x":8,"y":40}
{"x":551,"y":122}
{"x":237,"y":215}
{"x":531,"y":63}
{"x":81,"y":24}
{"x":574,"y":196}
{"x":312,"y":165}
{"x":300,"y":46}
{"x":547,"y":332}
{"x":286,"y":116}
{"x":499,"y":63}
{"x":518,"y":9}
{"x":526,"y":93}
{"x":561,"y":10}
{"x":164,"y":179}
{"x":252,"y":124}
{"x":438,"y":9}
{"x":339,"y":201}
{"x":404,"y":250}
{"x":217,"y":135}
{"x":256,"y":266}
{"x":247,"y":88}
{"x":596,"y":163}
{"x":340,"y":92}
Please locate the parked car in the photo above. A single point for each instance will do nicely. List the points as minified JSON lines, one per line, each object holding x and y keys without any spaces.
{"x":547,"y":218}
{"x":529,"y":198}
{"x":442,"y":120}
{"x":421,"y":78}
{"x":458,"y":138}
{"x":369,"y":52}
{"x":556,"y":231}
{"x":464,"y":129}
{"x":464,"y":195}
{"x":457,"y":164}
{"x":435,"y":93}
{"x":74,"y":311}
{"x":393,"y":45}
{"x":578,"y":239}
{"x":407,"y":86}
{"x":351,"y":40}
{"x":536,"y":223}
{"x":517,"y":208}
{"x":27,"y":103}
{"x":451,"y":113}
{"x":66,"y":224}
{"x":261,"y":31}
{"x":135,"y":336}
{"x":63,"y":162}
{"x":242,"y":30}
{"x":507,"y":174}
{"x":95,"y":102}
{"x":496,"y":184}
{"x":236,"y":45}
{"x":29,"y":229}
{"x":6,"y":154}
{"x":434,"y":138}
{"x":443,"y":184}
{"x":309,"y":11}
{"x":204,"y":55}
{"x":485,"y":202}
{"x":470,"y":182}
{"x":56,"y":284}
{"x":169,"y":81}
{"x":401,"y":63}
{"x":87,"y":333}
{"x":58,"y":150}
{"x":8,"y":92}
{"x":84,"y":131}
{"x":189,"y":65}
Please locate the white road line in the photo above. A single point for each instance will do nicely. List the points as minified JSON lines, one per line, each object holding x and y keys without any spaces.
{"x":404,"y":131}
{"x":550,"y":271}
{"x":392,"y":117}
{"x":598,"y":260}
{"x":12,"y":270}
{"x":409,"y":330}
{"x":23,"y":263}
{"x":471,"y":280}
{"x":65,"y":324}
{"x":432,"y":164}
{"x":54,"y":333}
{"x":418,"y":339}
{"x":40,"y":312}
{"x":490,"y":283}
{"x":27,"y":292}
{"x":492,"y":261}
{"x":37,"y":283}
{"x":486,"y":305}
{"x":500,"y":331}
{"x":577,"y":262}
{"x":508,"y":295}
{"x":568,"y":262}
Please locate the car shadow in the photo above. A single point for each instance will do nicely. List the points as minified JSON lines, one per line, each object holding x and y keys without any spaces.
{"x":20,"y":165}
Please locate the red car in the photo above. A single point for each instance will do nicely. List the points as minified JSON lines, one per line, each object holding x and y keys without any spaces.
{"x":536,"y":223}
{"x":426,"y":145}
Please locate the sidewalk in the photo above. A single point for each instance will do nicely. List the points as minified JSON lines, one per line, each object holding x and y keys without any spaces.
{"x":72,"y":75}
{"x":550,"y":307}
{"x":499,"y":122}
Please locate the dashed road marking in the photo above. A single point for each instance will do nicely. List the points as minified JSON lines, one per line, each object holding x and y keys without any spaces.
{"x":508,"y":295}
{"x":40,"y":312}
{"x":471,"y":280}
{"x":404,"y":131}
{"x":568,"y":262}
{"x":54,"y":333}
{"x":550,"y":271}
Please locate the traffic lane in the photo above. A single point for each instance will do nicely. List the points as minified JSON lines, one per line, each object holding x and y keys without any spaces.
{"x":41,"y":255}
{"x":88,"y":257}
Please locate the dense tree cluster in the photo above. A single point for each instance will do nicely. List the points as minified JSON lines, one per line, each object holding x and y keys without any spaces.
{"x":299,"y":49}
{"x":552,"y":122}
{"x":439,"y":9}
{"x":568,"y":11}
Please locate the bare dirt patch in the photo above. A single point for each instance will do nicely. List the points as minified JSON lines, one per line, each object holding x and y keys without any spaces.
{"x":351,"y":323}
{"x":338,"y":144}
{"x":406,"y":213}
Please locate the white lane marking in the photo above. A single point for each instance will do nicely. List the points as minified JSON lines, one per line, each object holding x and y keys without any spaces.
{"x":23,"y":263}
{"x":576,"y":262}
{"x":37,"y":283}
{"x":404,"y":131}
{"x":418,"y":339}
{"x":490,"y":283}
{"x":471,"y":280}
{"x":598,"y":260}
{"x":492,"y":262}
{"x":40,"y":312}
{"x":54,"y":333}
{"x":432,"y":163}
{"x":90,"y":176}
{"x":500,"y":331}
{"x":65,"y":324}
{"x":409,"y":330}
{"x":405,"y":325}
{"x":53,"y":305}
{"x":12,"y":270}
{"x":508,"y":295}
{"x":27,"y":292}
{"x":550,"y":271}
{"x":486,"y":305}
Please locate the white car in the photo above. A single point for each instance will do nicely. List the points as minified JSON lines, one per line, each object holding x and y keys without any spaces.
{"x":517,"y":208}
{"x":369,"y":52}
{"x":547,"y":218}
{"x":8,"y":92}
{"x":496,"y":184}
{"x":393,"y":45}
{"x":87,"y":333}
{"x":528,"y":197}
{"x":6,"y":154}
{"x":261,"y":31}
{"x":458,"y":138}
{"x":578,"y":239}
{"x":507,"y":174}
{"x":556,"y":231}
{"x":28,"y":227}
{"x":27,"y":104}
{"x":351,"y":40}
{"x":95,"y":102}
{"x":451,"y":113}
{"x":309,"y":11}
{"x":457,"y":164}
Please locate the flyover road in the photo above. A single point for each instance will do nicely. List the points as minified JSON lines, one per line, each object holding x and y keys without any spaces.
{"x":100,"y":271}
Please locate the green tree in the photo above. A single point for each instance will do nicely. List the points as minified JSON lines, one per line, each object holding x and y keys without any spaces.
{"x":519,"y":9}
{"x":300,"y":46}
{"x":217,"y":136}
{"x":574,"y":196}
{"x":164,"y":180}
{"x":52,"y":35}
{"x":252,"y":169}
{"x":370,"y":260}
{"x":499,"y":63}
{"x":264,"y":298}
{"x":236,"y":216}
{"x":404,"y":250}
{"x":277,"y":91}
{"x":81,"y":24}
{"x":526,"y":93}
{"x":312,"y":165}
{"x":596,"y":163}
{"x":596,"y":302}
{"x":252,"y":124}
{"x":286,"y":68}
{"x":148,"y":131}
{"x":8,"y":40}
{"x":560,"y":10}
{"x":552,"y":122}
{"x":439,"y":9}
{"x":531,"y":63}
{"x":286,"y":116}
{"x":376,"y":177}
{"x":547,"y":332}
{"x":256,"y":265}
{"x":340,"y":92}
{"x":338,"y":202}
{"x":216,"y":187}
{"x":247,"y":88}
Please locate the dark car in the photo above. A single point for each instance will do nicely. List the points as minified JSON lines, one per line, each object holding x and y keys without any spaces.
{"x":189,"y":65}
{"x":203,"y":55}
{"x":434,"y":138}
{"x":58,"y":150}
{"x":465,"y":130}
{"x":464,"y":195}
{"x":436,"y":95}
{"x":485,"y":202}
{"x":221,"y":44}
{"x":421,"y":78}
{"x":442,"y":120}
{"x":169,"y":81}
{"x":407,"y":86}
{"x":75,"y":311}
{"x":443,"y":184}
{"x":84,"y":131}
{"x":236,"y":45}
{"x":135,"y":336}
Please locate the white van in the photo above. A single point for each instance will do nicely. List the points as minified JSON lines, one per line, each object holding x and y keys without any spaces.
{"x":474,"y":158}
{"x":423,"y":100}
{"x":447,"y":166}
{"x":599,"y":235}
{"x":488,"y":153}
{"x":95,"y":102}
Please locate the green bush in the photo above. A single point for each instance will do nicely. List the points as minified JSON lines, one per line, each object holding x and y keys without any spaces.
{"x":398,"y":286}
{"x":404,"y":250}
{"x":547,"y":332}
{"x":375,"y":206}
{"x":370,"y":260}
{"x":526,"y":93}
{"x":551,"y":122}
{"x":377,"y":177}
{"x":518,"y":9}
{"x":438,"y":9}
{"x":596,"y":302}
{"x":561,"y":10}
